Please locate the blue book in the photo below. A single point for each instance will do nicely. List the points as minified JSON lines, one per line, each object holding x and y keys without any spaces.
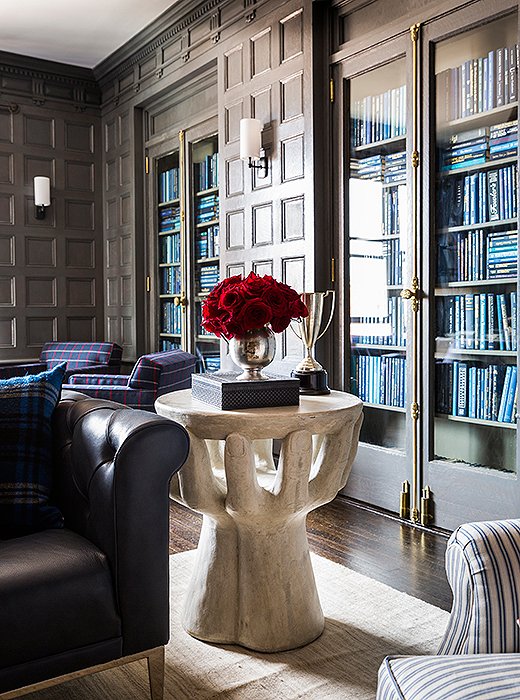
{"x":483,"y":322}
{"x":514,"y":340}
{"x":491,"y":80}
{"x":511,"y":395}
{"x":455,"y":388}
{"x":462,"y":391}
{"x":473,"y":198}
{"x":505,"y":322}
{"x":503,"y":397}
{"x":491,"y":334}
{"x":472,"y":392}
{"x":500,"y":326}
{"x":470,"y":321}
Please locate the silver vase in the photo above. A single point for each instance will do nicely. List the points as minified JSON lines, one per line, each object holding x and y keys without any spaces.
{"x":254,"y":351}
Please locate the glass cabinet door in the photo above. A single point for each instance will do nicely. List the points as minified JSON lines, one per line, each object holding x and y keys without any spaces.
{"x":205,"y":246}
{"x":376,"y":244}
{"x":377,"y":241}
{"x":169,"y":256}
{"x":474,"y":411}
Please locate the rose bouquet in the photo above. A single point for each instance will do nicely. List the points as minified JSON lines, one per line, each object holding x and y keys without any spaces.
{"x":236,"y":306}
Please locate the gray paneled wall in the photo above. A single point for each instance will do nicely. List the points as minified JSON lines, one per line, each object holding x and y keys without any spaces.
{"x":264,"y":69}
{"x":50,"y":269}
{"x":268,"y":223}
{"x":119,"y":224}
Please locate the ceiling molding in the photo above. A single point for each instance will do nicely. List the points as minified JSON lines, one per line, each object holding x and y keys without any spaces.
{"x":174,"y":21}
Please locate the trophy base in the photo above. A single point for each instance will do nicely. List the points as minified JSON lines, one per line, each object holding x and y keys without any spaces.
{"x":313,"y":383}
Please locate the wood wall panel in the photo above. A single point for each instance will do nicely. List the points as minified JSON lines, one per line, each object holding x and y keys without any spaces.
{"x":261,"y":54}
{"x":40,"y":251}
{"x":79,"y":137}
{"x":7,"y":291}
{"x":80,"y":253}
{"x":40,"y":291}
{"x":6,"y":127}
{"x":291,"y":36}
{"x":39,"y":131}
{"x":121,"y":275}
{"x":6,"y":209}
{"x":262,"y":232}
{"x":7,"y":333}
{"x":7,"y":249}
{"x":58,"y":137}
{"x":79,"y":176}
{"x":36,"y":166}
{"x":6,"y":168}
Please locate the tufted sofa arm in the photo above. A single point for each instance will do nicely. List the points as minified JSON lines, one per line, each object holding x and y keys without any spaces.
{"x":107,"y":497}
{"x":483,"y":569}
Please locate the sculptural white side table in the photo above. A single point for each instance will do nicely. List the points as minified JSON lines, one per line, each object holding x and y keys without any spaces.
{"x":253,"y":582}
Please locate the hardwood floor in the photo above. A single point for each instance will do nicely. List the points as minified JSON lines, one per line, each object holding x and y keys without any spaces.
{"x":377,"y":545}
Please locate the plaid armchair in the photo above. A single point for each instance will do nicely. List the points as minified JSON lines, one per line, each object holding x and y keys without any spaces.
{"x":153,"y":375}
{"x":87,"y":357}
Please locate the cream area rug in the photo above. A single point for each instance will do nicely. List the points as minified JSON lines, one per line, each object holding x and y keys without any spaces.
{"x":365,"y":621}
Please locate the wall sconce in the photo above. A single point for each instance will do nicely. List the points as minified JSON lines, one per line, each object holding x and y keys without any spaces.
{"x":251,"y":145}
{"x":42,"y":196}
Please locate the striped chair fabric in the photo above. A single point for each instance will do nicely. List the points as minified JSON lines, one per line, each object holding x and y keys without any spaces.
{"x":85,"y":356}
{"x":89,"y":357}
{"x":152,"y":375}
{"x":473,"y":677}
{"x":483,"y":569}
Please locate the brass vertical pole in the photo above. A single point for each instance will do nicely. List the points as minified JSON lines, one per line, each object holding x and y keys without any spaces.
{"x":182,"y":298}
{"x":413,"y":292}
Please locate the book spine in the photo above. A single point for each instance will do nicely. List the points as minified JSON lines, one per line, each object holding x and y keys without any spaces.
{"x":462,"y":389}
{"x":511,"y":395}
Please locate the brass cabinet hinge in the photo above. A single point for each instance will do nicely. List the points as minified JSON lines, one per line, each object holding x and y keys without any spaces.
{"x":333,"y":269}
{"x":148,"y":281}
{"x":331,"y":89}
{"x":146,"y":165}
{"x":404,"y":500}
{"x":414,"y":293}
{"x":426,"y":506}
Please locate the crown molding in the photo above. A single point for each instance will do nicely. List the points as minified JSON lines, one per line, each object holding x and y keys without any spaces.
{"x":178,"y":18}
{"x":41,"y":69}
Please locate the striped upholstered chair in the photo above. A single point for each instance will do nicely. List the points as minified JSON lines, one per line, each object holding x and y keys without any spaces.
{"x":83,"y":357}
{"x":478,"y":657}
{"x":153,"y":375}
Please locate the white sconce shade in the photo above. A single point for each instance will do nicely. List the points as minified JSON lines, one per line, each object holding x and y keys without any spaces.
{"x":42,"y":196}
{"x":251,"y":146}
{"x":250,"y":139}
{"x":42,"y":192}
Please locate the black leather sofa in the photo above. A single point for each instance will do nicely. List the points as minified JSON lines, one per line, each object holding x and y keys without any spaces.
{"x":96,"y":593}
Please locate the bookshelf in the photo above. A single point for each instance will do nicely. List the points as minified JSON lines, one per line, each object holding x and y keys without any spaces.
{"x":427,"y":122}
{"x":185,"y":243}
{"x":169,"y":251}
{"x":476,"y":250}
{"x":205,"y":244}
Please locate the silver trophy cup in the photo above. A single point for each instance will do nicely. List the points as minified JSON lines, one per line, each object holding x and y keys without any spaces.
{"x":312,"y":376}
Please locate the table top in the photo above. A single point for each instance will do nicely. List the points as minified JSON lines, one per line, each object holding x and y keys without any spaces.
{"x":318,"y":414}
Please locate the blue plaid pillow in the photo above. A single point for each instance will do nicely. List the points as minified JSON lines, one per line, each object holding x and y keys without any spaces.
{"x":26,"y":407}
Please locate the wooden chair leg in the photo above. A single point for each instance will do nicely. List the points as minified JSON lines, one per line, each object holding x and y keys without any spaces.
{"x":156,"y":673}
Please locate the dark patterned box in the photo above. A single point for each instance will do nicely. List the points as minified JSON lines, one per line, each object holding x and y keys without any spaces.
{"x":225,"y":391}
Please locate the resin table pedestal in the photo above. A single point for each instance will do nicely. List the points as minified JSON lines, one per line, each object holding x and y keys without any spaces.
{"x":253,"y":582}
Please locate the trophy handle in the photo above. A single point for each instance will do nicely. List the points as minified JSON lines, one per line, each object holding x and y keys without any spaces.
{"x":291,"y":326}
{"x":333,"y":304}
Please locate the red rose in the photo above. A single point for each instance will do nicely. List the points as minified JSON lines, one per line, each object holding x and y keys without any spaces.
{"x":279,"y":324}
{"x":254,"y":314}
{"x":277,"y":302}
